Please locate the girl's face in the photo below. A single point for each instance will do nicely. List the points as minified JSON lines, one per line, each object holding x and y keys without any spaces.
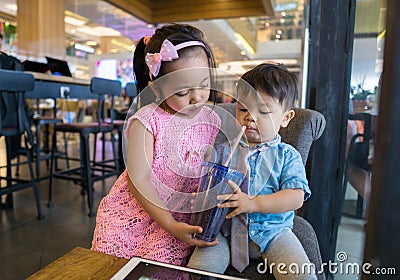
{"x":189,"y":85}
{"x":262,"y":116}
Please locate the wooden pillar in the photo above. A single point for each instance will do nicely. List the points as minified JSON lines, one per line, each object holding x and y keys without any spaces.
{"x":105,"y":44}
{"x":331,"y":26}
{"x":40,"y":28}
{"x":383,"y":227}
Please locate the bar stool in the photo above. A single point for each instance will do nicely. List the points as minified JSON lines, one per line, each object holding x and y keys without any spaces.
{"x":14,"y":124}
{"x":45,"y":153}
{"x":130,"y":91}
{"x":90,"y":171}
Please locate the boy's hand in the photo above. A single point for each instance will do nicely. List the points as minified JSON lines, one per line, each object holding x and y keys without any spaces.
{"x":239,"y":200}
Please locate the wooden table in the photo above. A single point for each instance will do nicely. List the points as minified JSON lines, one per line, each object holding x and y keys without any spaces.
{"x":81,"y":263}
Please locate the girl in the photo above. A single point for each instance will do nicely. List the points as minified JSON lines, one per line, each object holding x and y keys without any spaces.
{"x":146,"y":213}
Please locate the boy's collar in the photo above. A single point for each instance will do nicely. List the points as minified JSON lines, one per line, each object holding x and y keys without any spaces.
{"x":262,"y":146}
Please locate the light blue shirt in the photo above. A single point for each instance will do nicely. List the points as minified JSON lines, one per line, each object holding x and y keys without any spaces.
{"x":270,"y":167}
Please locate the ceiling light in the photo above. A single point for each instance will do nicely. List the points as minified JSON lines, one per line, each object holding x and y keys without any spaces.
{"x":244,"y":43}
{"x":285,"y":7}
{"x":75,"y":21}
{"x":99,"y":31}
{"x":278,"y":36}
{"x":282,"y":20}
{"x":279,"y":31}
{"x":283,"y":14}
{"x":243,"y":53}
{"x":239,"y":67}
{"x":84,"y":48}
{"x":122,"y":45}
{"x":91,"y":43}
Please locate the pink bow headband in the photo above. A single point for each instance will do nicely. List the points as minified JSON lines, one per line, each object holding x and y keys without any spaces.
{"x":168,"y":52}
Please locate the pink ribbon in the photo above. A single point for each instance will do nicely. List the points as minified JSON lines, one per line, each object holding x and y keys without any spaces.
{"x":168,"y":52}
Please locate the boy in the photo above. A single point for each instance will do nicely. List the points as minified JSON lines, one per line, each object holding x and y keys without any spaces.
{"x":277,"y":183}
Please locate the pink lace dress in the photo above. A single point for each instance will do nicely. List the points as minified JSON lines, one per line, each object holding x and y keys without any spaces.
{"x":123,"y":228}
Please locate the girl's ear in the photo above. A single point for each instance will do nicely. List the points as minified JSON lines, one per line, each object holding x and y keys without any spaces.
{"x":287,"y":117}
{"x":154,"y":89}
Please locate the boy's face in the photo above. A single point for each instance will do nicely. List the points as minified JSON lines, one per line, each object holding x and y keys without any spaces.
{"x":262,"y":116}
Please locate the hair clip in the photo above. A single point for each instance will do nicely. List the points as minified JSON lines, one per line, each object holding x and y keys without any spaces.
{"x":168,"y":52}
{"x":146,"y":40}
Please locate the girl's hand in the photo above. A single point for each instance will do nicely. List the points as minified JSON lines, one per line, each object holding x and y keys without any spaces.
{"x":185,"y":232}
{"x":239,"y":200}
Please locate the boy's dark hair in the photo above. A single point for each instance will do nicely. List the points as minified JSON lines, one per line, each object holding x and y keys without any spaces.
{"x":272,"y":79}
{"x":176,"y":34}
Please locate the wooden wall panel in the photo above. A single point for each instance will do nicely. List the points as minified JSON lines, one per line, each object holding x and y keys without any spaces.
{"x":139,"y":8}
{"x":182,"y":10}
{"x":41,"y":28}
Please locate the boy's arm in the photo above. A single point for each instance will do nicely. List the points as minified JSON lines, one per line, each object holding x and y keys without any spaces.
{"x":293,"y":190}
{"x":281,"y":201}
{"x":293,"y":187}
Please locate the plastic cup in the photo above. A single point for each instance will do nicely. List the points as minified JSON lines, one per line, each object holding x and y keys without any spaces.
{"x":213,"y":182}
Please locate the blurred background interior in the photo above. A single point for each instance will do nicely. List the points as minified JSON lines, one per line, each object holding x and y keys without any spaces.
{"x":97,"y":38}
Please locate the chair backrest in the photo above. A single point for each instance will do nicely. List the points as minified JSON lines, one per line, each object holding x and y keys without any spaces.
{"x":9,"y":62}
{"x":130,"y":90}
{"x":13,"y":114}
{"x":359,"y":149}
{"x":306,"y":127}
{"x":14,"y":81}
{"x":14,"y":120}
{"x":105,"y":87}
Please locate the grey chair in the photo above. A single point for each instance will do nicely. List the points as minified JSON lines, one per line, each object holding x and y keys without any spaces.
{"x":14,"y":126}
{"x":306,"y":127}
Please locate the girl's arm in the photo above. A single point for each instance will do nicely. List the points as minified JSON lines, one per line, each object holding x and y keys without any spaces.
{"x":139,"y":162}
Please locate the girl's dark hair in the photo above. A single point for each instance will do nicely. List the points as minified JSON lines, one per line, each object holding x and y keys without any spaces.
{"x":272,"y":79}
{"x":176,"y":34}
{"x":140,"y":67}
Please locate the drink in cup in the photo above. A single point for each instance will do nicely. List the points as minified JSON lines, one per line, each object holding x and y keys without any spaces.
{"x":213,"y":182}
